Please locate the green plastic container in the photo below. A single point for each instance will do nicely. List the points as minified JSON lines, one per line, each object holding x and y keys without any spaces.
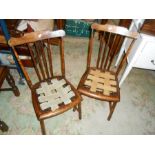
{"x":76,"y":27}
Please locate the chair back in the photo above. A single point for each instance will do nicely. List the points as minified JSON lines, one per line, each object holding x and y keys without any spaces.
{"x":39,"y":46}
{"x":111,"y":38}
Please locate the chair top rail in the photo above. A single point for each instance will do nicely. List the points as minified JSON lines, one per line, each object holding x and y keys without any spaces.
{"x":36,"y":36}
{"x":115,"y":29}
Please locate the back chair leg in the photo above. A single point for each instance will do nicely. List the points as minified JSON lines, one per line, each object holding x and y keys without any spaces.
{"x":11,"y":82}
{"x":112,"y":106}
{"x":79,"y":110}
{"x":43,"y":130}
{"x":74,"y":108}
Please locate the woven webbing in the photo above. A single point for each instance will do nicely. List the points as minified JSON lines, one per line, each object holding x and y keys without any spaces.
{"x":54,"y":93}
{"x":101,"y":81}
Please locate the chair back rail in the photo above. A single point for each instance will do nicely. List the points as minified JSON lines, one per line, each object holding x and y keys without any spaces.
{"x":115,"y":29}
{"x":39,"y":45}
{"x":36,"y":36}
{"x":111,"y":38}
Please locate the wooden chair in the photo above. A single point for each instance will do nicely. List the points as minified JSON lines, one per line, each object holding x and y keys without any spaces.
{"x":101,"y":82}
{"x":5,"y":74}
{"x":51,"y":95}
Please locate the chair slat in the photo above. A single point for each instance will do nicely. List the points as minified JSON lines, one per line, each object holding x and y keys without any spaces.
{"x":62,"y":58}
{"x":49,"y":52}
{"x":90,"y":49}
{"x":110,"y":51}
{"x":44,"y":58}
{"x":100,"y":49}
{"x":104,"y":53}
{"x":107,"y":51}
{"x":34,"y":62}
{"x":39,"y":59}
{"x":115,"y":51}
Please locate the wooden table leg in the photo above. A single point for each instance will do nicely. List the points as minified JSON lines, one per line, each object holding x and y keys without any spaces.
{"x":11,"y":82}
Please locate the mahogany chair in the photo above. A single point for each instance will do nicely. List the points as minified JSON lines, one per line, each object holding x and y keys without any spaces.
{"x":52,"y":94}
{"x":5,"y":74}
{"x":101,"y":81}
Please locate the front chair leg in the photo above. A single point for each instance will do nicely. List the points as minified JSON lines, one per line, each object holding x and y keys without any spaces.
{"x":112,"y":106}
{"x":43,"y":130}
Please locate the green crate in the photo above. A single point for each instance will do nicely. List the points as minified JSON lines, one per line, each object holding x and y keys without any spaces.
{"x":79,"y":28}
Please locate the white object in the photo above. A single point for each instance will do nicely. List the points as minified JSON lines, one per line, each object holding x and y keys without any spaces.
{"x":40,"y":25}
{"x":53,"y":34}
{"x":142,"y":54}
{"x":135,"y":26}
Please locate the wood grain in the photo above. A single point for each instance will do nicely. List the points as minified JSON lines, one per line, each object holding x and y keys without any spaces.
{"x":101,"y":81}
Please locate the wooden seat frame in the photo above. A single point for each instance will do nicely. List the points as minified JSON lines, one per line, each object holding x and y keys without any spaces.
{"x":106,"y":56}
{"x":41,"y":42}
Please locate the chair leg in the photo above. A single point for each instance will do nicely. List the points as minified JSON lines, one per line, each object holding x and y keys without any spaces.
{"x":79,"y":110}
{"x":43,"y":130}
{"x":11,"y":82}
{"x":112,"y":106}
